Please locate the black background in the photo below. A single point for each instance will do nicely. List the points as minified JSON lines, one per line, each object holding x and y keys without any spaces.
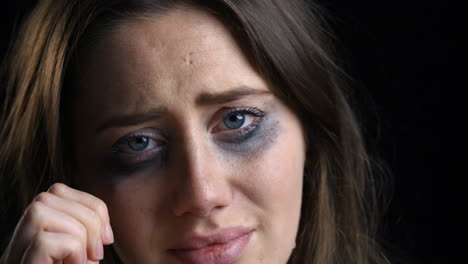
{"x":407,"y":57}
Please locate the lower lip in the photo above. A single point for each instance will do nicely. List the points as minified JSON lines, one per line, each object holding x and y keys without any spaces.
{"x":225,"y":253}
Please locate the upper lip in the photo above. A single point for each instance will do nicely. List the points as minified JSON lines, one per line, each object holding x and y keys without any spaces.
{"x":200,"y":241}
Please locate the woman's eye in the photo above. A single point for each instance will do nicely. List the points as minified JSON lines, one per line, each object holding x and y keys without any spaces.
{"x":239,"y":120}
{"x":234,"y":120}
{"x":138,"y":143}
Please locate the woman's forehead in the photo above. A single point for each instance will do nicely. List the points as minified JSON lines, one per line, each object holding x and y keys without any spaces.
{"x":169,"y":59}
{"x":172,"y":34}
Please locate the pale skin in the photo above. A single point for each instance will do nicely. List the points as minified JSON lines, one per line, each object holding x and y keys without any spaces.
{"x":178,"y":135}
{"x":62,"y":224}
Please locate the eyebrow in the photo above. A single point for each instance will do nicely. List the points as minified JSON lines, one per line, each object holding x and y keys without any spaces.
{"x":228,"y":96}
{"x":204,"y":98}
{"x":131,"y":119}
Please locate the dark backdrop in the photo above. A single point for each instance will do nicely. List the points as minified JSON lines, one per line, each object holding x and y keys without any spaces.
{"x":410,"y":57}
{"x":406,"y":56}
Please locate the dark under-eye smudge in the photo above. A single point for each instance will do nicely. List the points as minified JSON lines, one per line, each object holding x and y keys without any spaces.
{"x":117,"y":169}
{"x":262,"y":136}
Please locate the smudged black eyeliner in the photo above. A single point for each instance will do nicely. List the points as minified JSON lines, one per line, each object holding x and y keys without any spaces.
{"x":235,"y":142}
{"x":252,"y":143}
{"x":117,"y":168}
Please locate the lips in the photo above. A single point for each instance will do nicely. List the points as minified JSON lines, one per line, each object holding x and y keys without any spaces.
{"x":223,"y":247}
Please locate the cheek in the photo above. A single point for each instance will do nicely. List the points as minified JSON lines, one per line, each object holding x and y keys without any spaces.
{"x":278,"y":175}
{"x":274,"y":164}
{"x":271,"y":181}
{"x":137,"y":210}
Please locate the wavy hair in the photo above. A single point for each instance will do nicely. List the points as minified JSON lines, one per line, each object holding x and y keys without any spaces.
{"x":288,"y":42}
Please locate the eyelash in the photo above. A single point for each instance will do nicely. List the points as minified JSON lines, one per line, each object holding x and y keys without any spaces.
{"x":132,"y":160}
{"x":257,"y":113}
{"x":127,"y":139}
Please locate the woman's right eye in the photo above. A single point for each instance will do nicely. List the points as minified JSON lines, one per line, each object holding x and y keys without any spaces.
{"x":138,"y":150}
{"x":137,"y":144}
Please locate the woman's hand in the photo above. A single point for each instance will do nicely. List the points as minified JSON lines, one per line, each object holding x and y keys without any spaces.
{"x":62,"y":225}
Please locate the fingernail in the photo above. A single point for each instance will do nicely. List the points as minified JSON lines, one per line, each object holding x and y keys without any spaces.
{"x":100,"y":250}
{"x":108,"y":234}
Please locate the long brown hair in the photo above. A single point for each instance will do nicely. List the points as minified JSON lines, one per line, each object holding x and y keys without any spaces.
{"x":289,"y":44}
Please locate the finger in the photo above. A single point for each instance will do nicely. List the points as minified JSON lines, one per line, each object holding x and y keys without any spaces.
{"x":39,"y":217}
{"x":89,"y":201}
{"x":88,"y":218}
{"x":49,"y":248}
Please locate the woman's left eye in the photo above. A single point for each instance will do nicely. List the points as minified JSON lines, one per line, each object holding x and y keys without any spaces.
{"x":238,"y":119}
{"x":235,"y":120}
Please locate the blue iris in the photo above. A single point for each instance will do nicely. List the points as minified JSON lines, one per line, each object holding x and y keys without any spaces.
{"x":138,"y":143}
{"x":234,"y":120}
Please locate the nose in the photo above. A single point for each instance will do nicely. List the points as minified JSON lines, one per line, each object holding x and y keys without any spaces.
{"x":202,"y":181}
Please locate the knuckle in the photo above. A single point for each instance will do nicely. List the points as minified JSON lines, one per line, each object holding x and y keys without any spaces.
{"x":95,"y":219}
{"x":101,"y":207}
{"x":43,"y":197}
{"x":34,"y":213}
{"x":81,"y":229}
{"x":75,"y":245}
{"x":83,"y":236}
{"x":58,"y":188}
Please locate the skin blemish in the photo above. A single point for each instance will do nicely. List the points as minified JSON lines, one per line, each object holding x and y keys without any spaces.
{"x":188,"y":59}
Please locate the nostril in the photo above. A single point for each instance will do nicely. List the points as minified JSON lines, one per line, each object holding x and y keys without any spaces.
{"x":201,"y":200}
{"x":193,"y":211}
{"x":192,"y":207}
{"x":201,"y":185}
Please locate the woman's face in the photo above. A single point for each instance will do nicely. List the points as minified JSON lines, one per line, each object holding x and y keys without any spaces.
{"x":195,"y":158}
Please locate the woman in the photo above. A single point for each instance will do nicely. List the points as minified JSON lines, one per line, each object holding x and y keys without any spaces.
{"x":181,"y":132}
